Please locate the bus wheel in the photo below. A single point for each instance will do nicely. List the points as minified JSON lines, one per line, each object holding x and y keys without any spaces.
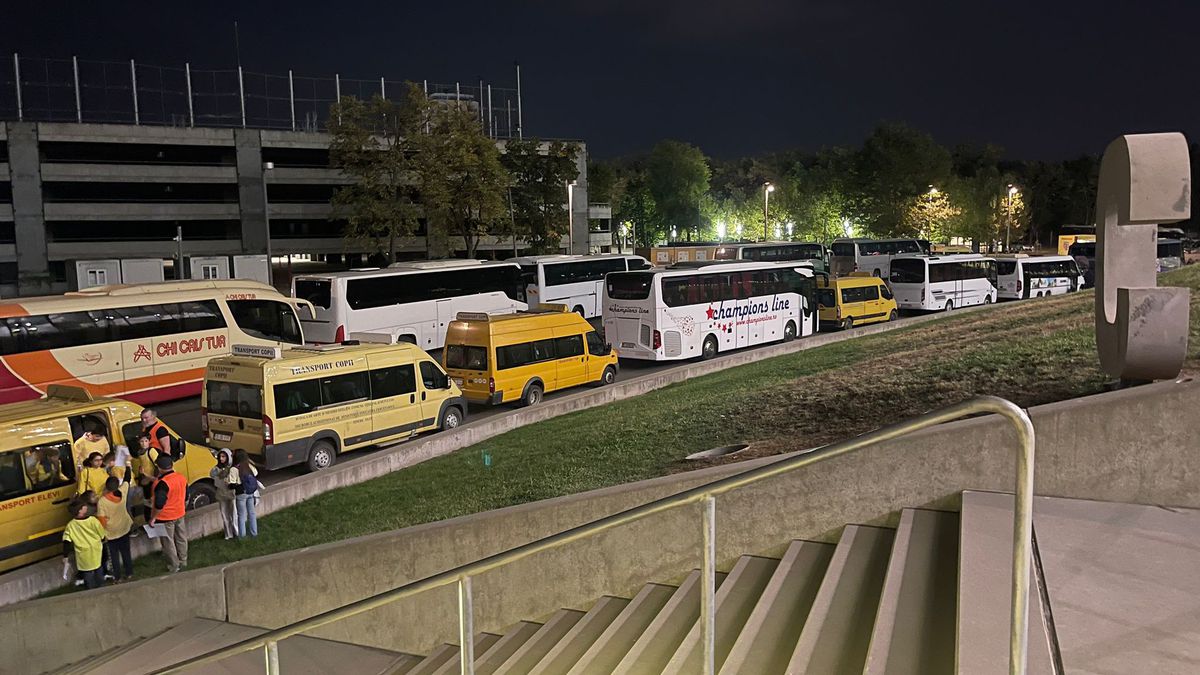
{"x":987,"y":299}
{"x":789,"y":332}
{"x":451,"y":418}
{"x":949,"y":305}
{"x":876,"y":274}
{"x":579,"y":310}
{"x":709,"y":349}
{"x":322,"y":456}
{"x":848,"y":323}
{"x":533,"y":395}
{"x":200,"y":494}
{"x":893,"y":316}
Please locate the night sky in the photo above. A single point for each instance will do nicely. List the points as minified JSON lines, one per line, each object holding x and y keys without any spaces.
{"x":1045,"y":80}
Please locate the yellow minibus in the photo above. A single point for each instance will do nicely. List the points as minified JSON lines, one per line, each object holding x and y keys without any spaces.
{"x":307,"y":405}
{"x":37,"y":468}
{"x":519,"y":357}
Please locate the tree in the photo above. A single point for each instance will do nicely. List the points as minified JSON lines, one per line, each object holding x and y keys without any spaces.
{"x":895,"y":164}
{"x":539,"y":190}
{"x":930,"y":216}
{"x":677,"y":176}
{"x":461,"y":180}
{"x":370,"y":144}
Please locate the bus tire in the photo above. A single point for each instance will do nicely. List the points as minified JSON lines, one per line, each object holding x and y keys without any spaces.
{"x":893,"y":316}
{"x":321,"y":455}
{"x":409,"y":338}
{"x":789,"y":331}
{"x":532,"y":395}
{"x":848,"y":323}
{"x":451,"y":418}
{"x":875,"y":273}
{"x":709,"y":348}
{"x":579,"y":310}
{"x":201,"y":493}
{"x":949,"y":306}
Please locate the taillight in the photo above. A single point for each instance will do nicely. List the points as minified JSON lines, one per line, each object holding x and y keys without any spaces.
{"x":340,"y":336}
{"x":657,"y":339}
{"x":922,"y":295}
{"x":204,"y":420}
{"x":491,"y":385}
{"x":268,"y":431}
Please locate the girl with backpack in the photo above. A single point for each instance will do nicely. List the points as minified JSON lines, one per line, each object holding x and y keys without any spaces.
{"x":226,"y":494}
{"x":244,"y":479}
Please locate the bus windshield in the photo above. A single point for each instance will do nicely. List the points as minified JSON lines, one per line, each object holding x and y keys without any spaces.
{"x":267,"y":319}
{"x":1170,"y":249}
{"x":315,"y":291}
{"x":630,"y":285}
{"x":233,"y":399}
{"x":908,"y":271}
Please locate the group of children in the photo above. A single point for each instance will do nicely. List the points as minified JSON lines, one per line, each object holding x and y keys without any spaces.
{"x":114,"y":488}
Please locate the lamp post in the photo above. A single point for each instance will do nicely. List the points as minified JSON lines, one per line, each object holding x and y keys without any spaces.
{"x":266,"y":167}
{"x":1012,"y":192}
{"x":570,"y":216}
{"x":767,"y":190}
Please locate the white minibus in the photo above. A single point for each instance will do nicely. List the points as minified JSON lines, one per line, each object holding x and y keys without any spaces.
{"x":698,"y":310}
{"x":576,"y":281}
{"x":870,"y":255}
{"x":1036,"y":276}
{"x":411,"y":302}
{"x":943,"y":282}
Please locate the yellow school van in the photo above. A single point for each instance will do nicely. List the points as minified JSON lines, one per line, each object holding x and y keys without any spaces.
{"x":307,"y":405}
{"x":37,"y":468}
{"x":855,"y":299}
{"x":519,"y":357}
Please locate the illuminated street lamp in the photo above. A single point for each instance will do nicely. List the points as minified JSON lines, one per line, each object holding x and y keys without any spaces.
{"x":720,"y":230}
{"x":767,"y":190}
{"x":1012,"y":192}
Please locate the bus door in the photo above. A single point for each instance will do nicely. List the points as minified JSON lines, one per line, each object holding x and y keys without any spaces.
{"x":445,"y":314}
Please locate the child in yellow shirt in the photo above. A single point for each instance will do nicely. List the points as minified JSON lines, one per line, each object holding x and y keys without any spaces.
{"x":92,"y":475}
{"x":84,"y":538}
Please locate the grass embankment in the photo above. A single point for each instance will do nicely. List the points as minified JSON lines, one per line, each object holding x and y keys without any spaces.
{"x":1030,"y":352}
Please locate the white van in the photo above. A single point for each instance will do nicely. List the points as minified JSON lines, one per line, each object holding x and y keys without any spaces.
{"x":1036,"y":276}
{"x":576,"y":281}
{"x":932,"y":282}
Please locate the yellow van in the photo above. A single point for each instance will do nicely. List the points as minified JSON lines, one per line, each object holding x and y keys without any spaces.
{"x":519,"y":357}
{"x":307,"y":405}
{"x":855,"y":299}
{"x":37,"y":468}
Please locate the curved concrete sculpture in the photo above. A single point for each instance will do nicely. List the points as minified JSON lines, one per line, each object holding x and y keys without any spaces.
{"x":1141,"y":330}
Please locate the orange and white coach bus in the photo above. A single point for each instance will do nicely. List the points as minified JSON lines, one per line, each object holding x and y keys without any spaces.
{"x":145,"y":343}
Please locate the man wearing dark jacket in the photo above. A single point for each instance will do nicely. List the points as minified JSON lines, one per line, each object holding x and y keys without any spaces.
{"x":169,"y":505}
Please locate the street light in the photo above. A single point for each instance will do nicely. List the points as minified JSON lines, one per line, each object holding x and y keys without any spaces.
{"x":767,"y":190}
{"x":1012,"y":192}
{"x":266,"y":167}
{"x":570,"y":217}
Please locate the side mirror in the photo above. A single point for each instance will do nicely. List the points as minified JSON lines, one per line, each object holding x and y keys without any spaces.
{"x":608,"y":348}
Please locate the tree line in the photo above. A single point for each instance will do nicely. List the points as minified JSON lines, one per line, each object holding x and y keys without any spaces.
{"x":899,"y":182}
{"x":419,"y":166}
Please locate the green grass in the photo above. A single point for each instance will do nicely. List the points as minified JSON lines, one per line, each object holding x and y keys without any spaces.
{"x":1030,"y":352}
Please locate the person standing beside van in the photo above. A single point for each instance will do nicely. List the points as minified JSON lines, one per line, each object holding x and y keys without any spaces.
{"x":226,"y":495}
{"x":245,"y":479}
{"x":84,"y":539}
{"x":160,"y":437}
{"x":92,"y":475}
{"x":114,"y":515}
{"x":168,"y":508}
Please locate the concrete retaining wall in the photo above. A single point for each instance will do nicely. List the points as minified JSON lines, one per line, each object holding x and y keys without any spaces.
{"x":33,"y":580}
{"x":1131,"y":445}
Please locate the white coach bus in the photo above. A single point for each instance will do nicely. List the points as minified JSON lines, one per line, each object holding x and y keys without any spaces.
{"x":576,"y":281}
{"x":698,"y":310}
{"x":412,"y":302}
{"x":1037,"y":276}
{"x":933,"y":282}
{"x":873,"y":256}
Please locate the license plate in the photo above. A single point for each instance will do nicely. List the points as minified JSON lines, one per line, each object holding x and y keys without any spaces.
{"x":222,"y":436}
{"x":458,"y":381}
{"x":627,"y":345}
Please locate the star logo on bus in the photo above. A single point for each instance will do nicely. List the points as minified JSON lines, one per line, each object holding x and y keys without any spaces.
{"x":141,"y":353}
{"x":710,"y":313}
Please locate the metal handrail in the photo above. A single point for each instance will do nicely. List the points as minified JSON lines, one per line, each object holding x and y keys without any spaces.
{"x":706,"y":496}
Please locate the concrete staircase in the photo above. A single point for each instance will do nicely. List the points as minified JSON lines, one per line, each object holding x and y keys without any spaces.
{"x":930,"y":596}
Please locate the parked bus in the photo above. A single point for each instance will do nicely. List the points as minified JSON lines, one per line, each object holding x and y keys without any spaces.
{"x":576,"y":281}
{"x":1169,"y":256}
{"x":412,"y":302}
{"x":1036,"y":276}
{"x":699,"y":310}
{"x":778,"y":251}
{"x":146,"y":342}
{"x":871,"y":255}
{"x":943,"y":282}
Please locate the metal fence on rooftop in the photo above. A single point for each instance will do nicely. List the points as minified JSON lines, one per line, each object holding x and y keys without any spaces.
{"x":129,"y":92}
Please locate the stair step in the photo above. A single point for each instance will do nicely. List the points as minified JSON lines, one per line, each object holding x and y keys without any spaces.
{"x":612,"y":645}
{"x":404,"y":664}
{"x":985,"y":589}
{"x":838,"y":630}
{"x":765,"y":642}
{"x":489,"y":661}
{"x":654,"y":648}
{"x":537,"y":646}
{"x":914,"y":627}
{"x":445,"y":659}
{"x":582,"y":635}
{"x":734,"y":602}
